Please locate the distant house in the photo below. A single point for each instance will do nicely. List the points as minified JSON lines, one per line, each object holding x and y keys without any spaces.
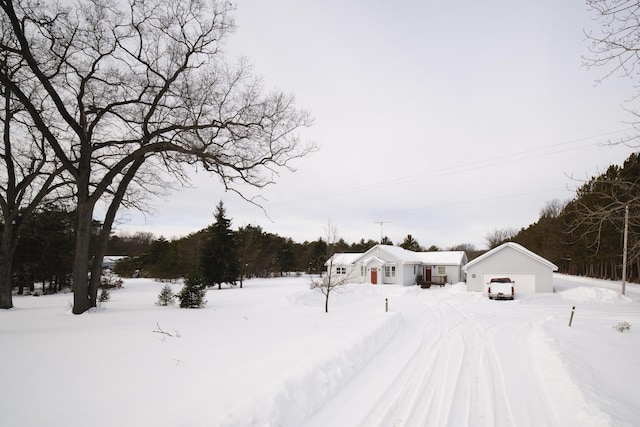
{"x":531,"y":272}
{"x":384,"y":264}
{"x":109,"y":261}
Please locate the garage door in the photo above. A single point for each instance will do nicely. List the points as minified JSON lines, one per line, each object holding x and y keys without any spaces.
{"x":525,"y":283}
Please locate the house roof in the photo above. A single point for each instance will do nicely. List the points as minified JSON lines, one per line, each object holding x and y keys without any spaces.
{"x":112,"y":259}
{"x":443,"y":257}
{"x":401,"y":254}
{"x":404,"y":256}
{"x":516,"y":247}
{"x":343,"y":258}
{"x":374,"y":258}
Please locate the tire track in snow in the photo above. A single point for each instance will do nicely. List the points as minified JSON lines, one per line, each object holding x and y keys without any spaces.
{"x":434,"y":365}
{"x":405,"y":390}
{"x":453,"y":378}
{"x":486,"y":386}
{"x":473,"y":380}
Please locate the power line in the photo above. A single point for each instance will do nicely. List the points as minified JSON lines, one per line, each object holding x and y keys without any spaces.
{"x":465,"y":167}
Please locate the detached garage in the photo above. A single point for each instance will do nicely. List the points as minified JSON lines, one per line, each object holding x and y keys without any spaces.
{"x":530,"y":272}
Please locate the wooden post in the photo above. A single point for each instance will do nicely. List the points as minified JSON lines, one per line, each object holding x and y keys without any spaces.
{"x":571,"y":318}
{"x":624,"y":248}
{"x":386,"y":305}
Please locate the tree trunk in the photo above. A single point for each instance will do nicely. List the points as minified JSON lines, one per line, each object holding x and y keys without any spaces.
{"x":81,"y":300}
{"x":103,"y":239}
{"x":7,"y":250}
{"x":96,"y":264}
{"x":100,"y":248}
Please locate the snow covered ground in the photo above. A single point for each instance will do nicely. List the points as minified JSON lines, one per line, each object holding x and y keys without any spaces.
{"x":268,"y":355}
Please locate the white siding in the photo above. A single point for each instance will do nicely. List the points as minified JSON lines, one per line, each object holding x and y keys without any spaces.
{"x":407,"y":264}
{"x":395,"y":274}
{"x":453,"y":273}
{"x":408,"y":277}
{"x":511,"y":263}
{"x":524,"y":283}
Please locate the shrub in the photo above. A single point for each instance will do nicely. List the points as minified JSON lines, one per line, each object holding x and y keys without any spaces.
{"x":622,"y":326}
{"x":111,"y":281}
{"x":192,"y":294}
{"x":166,"y":296}
{"x":104,"y":296}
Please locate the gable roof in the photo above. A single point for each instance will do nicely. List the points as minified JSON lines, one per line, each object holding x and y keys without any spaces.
{"x":343,"y":258}
{"x":514,"y":246}
{"x":404,"y":256}
{"x":443,"y":257}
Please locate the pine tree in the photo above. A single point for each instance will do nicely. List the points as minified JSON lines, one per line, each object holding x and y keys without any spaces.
{"x":192,"y":294}
{"x":219,"y":260}
{"x":166,"y":296}
{"x":410,"y":244}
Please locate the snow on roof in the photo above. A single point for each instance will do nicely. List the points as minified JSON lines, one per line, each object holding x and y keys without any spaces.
{"x":435,"y":258}
{"x":402,"y":254}
{"x":516,"y":247}
{"x":111,"y":260}
{"x":343,"y":258}
{"x":442,"y":258}
{"x":405,"y":256}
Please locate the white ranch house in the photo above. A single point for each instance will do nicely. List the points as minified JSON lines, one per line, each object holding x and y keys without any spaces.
{"x":530,"y":272}
{"x":384,"y":264}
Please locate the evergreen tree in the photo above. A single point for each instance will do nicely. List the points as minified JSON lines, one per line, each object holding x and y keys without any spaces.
{"x":287,"y":256}
{"x":386,"y":241}
{"x":410,"y":244}
{"x":166,"y":296}
{"x":45,"y":248}
{"x":318,"y":256}
{"x":362,"y":246}
{"x":192,"y":294}
{"x":219,"y":260}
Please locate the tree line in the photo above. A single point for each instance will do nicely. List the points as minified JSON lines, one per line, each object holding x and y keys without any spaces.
{"x":217,"y":254}
{"x":220,"y":254}
{"x":584,"y":236}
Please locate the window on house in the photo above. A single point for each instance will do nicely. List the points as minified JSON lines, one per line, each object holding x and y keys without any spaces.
{"x":362,"y":270}
{"x":441,"y":271}
{"x":389,"y":271}
{"x":341,"y":270}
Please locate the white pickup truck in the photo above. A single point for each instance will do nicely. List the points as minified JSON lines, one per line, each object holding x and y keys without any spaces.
{"x":501,"y":288}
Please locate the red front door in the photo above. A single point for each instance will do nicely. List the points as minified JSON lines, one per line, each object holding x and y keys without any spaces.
{"x":374,"y":276}
{"x":427,"y":275}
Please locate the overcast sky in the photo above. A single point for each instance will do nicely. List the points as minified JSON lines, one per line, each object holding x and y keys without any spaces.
{"x":444,"y":120}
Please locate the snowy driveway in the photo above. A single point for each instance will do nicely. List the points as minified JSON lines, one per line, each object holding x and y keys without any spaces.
{"x":267,"y":355}
{"x":463,"y":360}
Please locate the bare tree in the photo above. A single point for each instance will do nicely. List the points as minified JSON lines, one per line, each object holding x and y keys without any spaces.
{"x":614,"y":47}
{"x":597,"y":213}
{"x":332,"y":279}
{"x":28,"y":175}
{"x":615,"y":43}
{"x":553,"y":208}
{"x":127,"y":92}
{"x":498,"y":236}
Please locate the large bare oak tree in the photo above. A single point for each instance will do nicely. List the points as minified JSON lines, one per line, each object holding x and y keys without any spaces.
{"x":126,"y":90}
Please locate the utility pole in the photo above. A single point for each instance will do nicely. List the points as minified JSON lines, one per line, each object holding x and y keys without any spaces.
{"x":624,"y":248}
{"x":381,"y":233}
